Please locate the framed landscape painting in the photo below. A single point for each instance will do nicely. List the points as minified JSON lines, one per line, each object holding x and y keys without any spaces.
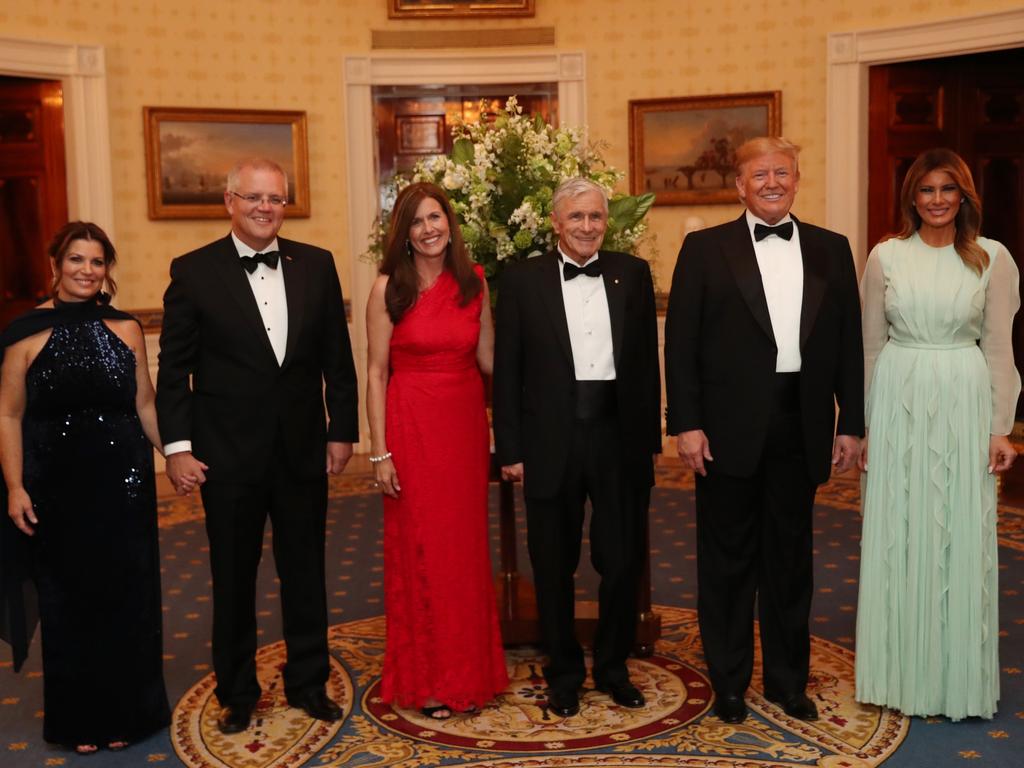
{"x":190,"y":151}
{"x":684,"y":149}
{"x":454,"y":9}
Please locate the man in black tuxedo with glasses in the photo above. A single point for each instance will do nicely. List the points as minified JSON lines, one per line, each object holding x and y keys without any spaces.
{"x":762,"y":340}
{"x":254,"y":344}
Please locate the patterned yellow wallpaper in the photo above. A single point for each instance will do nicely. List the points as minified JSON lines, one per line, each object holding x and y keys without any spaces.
{"x":271,"y":54}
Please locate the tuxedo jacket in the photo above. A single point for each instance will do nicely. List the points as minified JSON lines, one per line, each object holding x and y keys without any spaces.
{"x":535,"y":380}
{"x":219,"y":383}
{"x":720,"y":350}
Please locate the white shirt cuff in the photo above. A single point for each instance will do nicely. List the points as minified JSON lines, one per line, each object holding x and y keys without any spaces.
{"x":178,"y":446}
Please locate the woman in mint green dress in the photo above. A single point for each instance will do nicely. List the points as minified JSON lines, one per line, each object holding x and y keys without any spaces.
{"x":939,"y":302}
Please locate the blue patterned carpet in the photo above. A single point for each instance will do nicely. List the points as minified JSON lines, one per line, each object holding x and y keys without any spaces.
{"x":674,"y":731}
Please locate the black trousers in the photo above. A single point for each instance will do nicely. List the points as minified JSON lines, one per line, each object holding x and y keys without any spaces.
{"x":554,"y":536}
{"x":754,"y":540}
{"x":235,"y":519}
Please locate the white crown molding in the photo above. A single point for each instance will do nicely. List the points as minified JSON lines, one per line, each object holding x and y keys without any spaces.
{"x":361,"y":73}
{"x":82,"y":72}
{"x":849,"y":56}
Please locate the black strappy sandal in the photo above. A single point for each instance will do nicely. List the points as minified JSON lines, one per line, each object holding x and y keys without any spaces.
{"x":440,"y":712}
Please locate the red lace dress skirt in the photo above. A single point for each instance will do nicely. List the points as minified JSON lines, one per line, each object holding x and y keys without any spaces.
{"x":443,"y":640}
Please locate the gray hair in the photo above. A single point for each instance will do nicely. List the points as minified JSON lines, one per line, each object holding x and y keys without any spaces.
{"x":257,"y":164}
{"x":575,"y":187}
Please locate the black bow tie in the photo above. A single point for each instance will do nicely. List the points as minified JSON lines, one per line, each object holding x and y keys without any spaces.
{"x":785,"y":231}
{"x":569,"y":270}
{"x":249,"y":262}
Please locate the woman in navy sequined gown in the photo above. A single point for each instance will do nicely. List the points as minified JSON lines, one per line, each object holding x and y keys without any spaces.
{"x":76,"y":409}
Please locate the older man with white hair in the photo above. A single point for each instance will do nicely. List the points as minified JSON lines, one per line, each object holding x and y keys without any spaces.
{"x":576,"y":416}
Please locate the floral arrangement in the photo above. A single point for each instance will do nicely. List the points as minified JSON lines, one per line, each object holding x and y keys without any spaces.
{"x":500,"y":178}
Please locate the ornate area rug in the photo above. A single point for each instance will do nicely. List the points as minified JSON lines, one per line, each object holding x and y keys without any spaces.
{"x":676,"y":728}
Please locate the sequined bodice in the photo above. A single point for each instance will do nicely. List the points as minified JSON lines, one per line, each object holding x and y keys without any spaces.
{"x":80,"y":403}
{"x":82,"y":367}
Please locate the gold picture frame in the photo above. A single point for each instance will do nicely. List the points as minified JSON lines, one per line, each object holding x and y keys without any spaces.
{"x":458,"y":9}
{"x":189,"y":152}
{"x":682,"y":149}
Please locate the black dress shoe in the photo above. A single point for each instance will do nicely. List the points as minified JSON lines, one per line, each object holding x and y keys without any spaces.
{"x":624,"y":694}
{"x":796,"y":705}
{"x":234,"y":718}
{"x":730,"y":708}
{"x":563,"y":702}
{"x":318,"y":705}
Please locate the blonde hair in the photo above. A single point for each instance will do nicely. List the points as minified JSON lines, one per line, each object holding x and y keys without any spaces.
{"x":767,"y":145}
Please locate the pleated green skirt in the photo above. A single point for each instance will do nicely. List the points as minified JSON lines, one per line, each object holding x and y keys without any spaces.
{"x":927,"y":616}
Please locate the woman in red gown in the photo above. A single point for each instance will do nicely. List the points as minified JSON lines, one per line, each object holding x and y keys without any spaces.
{"x":430,"y":336}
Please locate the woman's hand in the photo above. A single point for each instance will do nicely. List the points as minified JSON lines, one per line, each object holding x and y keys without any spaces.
{"x":1000,"y":454}
{"x":19,"y":507}
{"x":387,"y":478}
{"x":862,"y":460}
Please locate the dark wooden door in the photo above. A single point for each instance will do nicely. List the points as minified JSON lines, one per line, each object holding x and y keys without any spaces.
{"x":33,"y":188}
{"x":971,"y":104}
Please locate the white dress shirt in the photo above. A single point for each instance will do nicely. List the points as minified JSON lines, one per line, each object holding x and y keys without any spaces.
{"x":590,"y":324}
{"x":782,"y":276}
{"x":268,"y":289}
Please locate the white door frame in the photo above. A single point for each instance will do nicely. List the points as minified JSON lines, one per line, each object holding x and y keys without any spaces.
{"x":81,"y":70}
{"x":361,"y":73}
{"x":849,"y":56}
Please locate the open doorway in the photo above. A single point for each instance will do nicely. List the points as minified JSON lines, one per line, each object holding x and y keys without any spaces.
{"x":415,"y":122}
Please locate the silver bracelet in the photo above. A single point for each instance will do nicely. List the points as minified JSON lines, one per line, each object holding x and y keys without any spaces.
{"x":379,"y":459}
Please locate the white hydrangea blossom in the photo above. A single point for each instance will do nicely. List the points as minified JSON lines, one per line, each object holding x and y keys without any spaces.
{"x":526,"y":216}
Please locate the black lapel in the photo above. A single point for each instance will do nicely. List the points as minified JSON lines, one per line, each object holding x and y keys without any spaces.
{"x":236,"y":284}
{"x":814,"y":280}
{"x":551,"y":292}
{"x":296,"y":280}
{"x":615,"y":290}
{"x":739,"y":255}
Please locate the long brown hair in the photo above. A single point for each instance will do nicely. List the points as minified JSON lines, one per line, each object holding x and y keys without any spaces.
{"x":968,"y":218}
{"x":81,"y":230}
{"x":398,"y":264}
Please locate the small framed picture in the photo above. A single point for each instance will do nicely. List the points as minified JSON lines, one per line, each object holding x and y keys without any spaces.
{"x":455,"y":9}
{"x":190,"y":151}
{"x":684,"y":149}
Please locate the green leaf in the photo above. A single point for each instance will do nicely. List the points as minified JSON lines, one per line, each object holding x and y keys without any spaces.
{"x":627,"y":210}
{"x":462,"y":152}
{"x":644,"y":203}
